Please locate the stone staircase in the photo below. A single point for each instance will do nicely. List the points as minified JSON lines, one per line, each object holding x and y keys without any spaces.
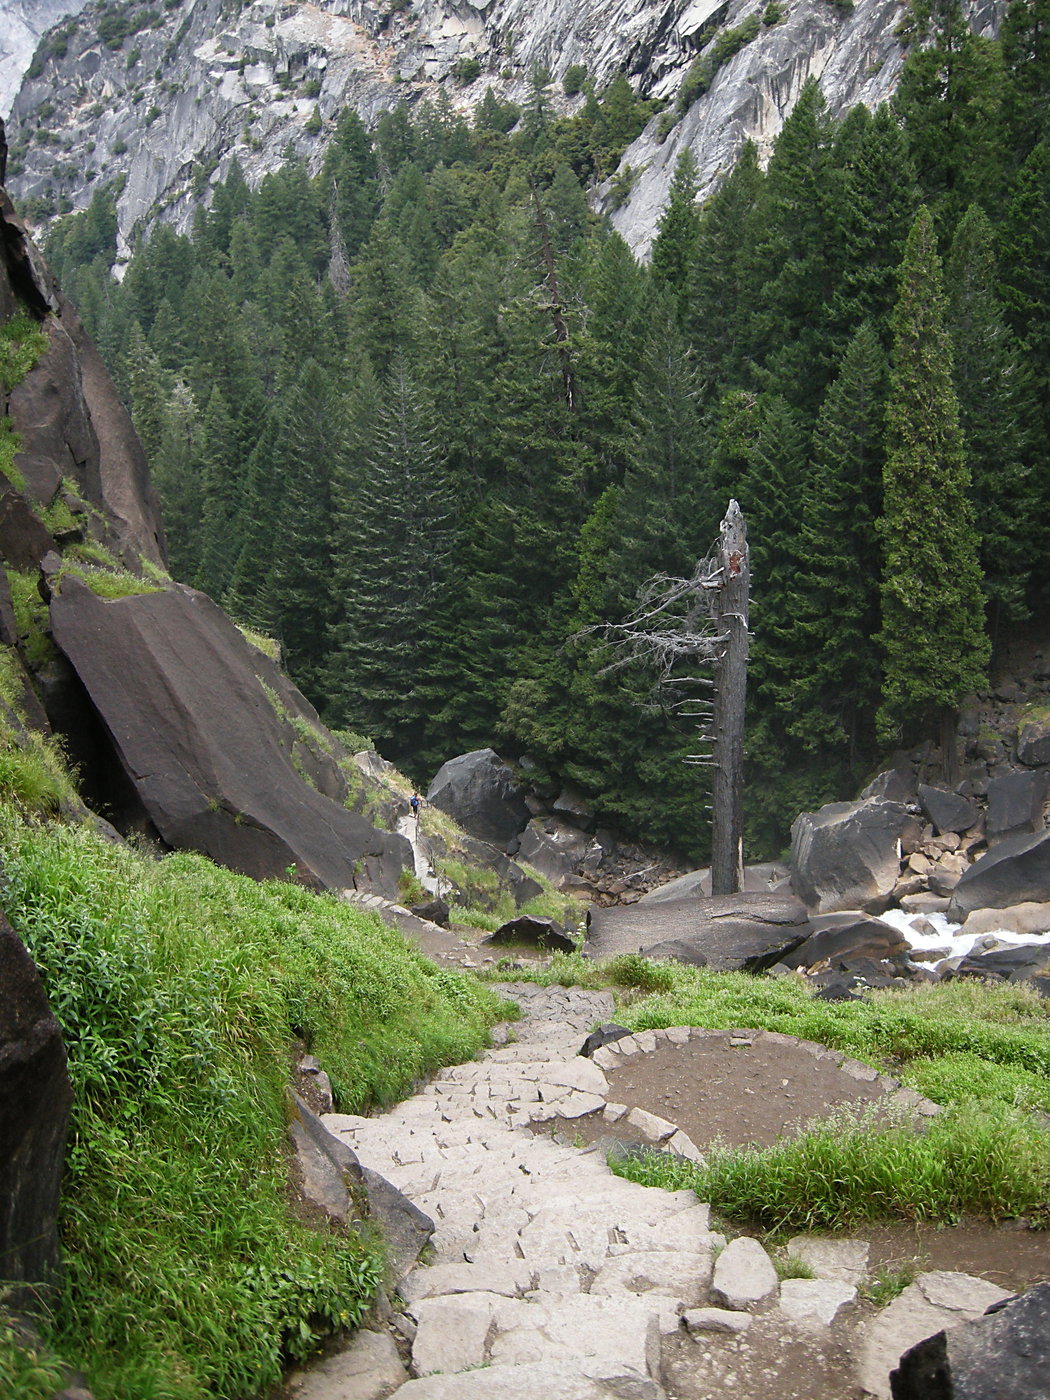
{"x":550,"y":1278}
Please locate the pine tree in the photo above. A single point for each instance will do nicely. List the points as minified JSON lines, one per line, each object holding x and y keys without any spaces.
{"x":674,"y":247}
{"x":872,"y":199}
{"x":949,"y":99}
{"x":221,"y":489}
{"x":933,"y":636}
{"x":828,"y":694}
{"x":719,"y":279}
{"x":395,"y":529}
{"x":794,"y":260}
{"x":997,"y":413}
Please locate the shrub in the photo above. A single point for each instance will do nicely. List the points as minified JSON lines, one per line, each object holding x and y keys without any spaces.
{"x":574,"y":79}
{"x":466,"y":70}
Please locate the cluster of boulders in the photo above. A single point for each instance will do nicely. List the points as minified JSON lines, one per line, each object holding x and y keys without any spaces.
{"x":548,"y":827}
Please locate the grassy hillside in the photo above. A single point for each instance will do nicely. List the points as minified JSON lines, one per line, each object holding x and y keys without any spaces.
{"x":182,"y":989}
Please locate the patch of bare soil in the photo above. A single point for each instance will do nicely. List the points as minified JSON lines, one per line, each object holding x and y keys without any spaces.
{"x":771,"y":1361}
{"x":739,"y":1093}
{"x":1010,"y":1254}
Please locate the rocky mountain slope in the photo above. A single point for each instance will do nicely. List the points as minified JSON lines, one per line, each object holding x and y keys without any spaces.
{"x":162,"y":99}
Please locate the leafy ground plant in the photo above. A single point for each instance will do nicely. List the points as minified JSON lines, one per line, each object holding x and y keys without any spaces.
{"x":180,"y":988}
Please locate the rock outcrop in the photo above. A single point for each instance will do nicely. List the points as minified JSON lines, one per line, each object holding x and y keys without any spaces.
{"x":1017,"y":871}
{"x":1005,"y":1353}
{"x":847,"y":855}
{"x":729,"y":933}
{"x":35,"y":1098}
{"x":206,"y":753}
{"x":179,"y":726}
{"x":480,"y":791}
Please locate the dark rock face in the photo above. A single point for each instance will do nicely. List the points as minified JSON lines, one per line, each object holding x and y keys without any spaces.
{"x":1026,"y":963}
{"x":1033,"y":744}
{"x":1004,"y":1355}
{"x":479,"y":790}
{"x":847,"y":855}
{"x":69,"y":413}
{"x":947,"y":810}
{"x":604,"y":1035}
{"x":206,"y":755}
{"x":1017,"y":871}
{"x":554,"y":848}
{"x":35,"y":1098}
{"x":535,"y":932}
{"x":1015,"y":805}
{"x":730,"y":933}
{"x":843,"y":938}
{"x":332,"y":1179}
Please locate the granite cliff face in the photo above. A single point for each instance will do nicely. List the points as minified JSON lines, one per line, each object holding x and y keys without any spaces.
{"x":22,"y":22}
{"x":164,"y":107}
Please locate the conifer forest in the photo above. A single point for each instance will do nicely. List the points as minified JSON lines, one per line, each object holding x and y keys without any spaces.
{"x":424,"y":418}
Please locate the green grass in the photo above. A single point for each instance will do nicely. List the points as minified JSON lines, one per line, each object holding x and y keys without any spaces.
{"x":982,"y":1051}
{"x":180,"y":988}
{"x":992,"y":1162}
{"x":33,"y":771}
{"x":109,"y":582}
{"x":22,"y":342}
{"x":10,"y":446}
{"x":27,"y":1372}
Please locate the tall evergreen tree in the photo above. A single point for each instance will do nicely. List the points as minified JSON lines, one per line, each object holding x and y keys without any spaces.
{"x":395,"y":530}
{"x":794,"y":259}
{"x":997,"y":414}
{"x":829,"y":691}
{"x":674,"y":247}
{"x":221,"y":487}
{"x":933,"y":636}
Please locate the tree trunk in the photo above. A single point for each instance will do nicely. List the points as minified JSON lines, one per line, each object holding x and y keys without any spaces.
{"x":730,"y":613}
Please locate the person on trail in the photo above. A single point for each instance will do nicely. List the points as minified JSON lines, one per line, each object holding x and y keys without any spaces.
{"x":415,"y":802}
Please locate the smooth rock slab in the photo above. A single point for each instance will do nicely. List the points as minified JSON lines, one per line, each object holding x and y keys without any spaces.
{"x":624,"y":1331}
{"x":452,"y":1332}
{"x":934,"y":1301}
{"x":815,"y":1300}
{"x":678,"y":1274}
{"x":844,"y":1260}
{"x":370,"y":1369}
{"x":744,"y":1276}
{"x":551,"y":1380}
{"x":716,"y":1320}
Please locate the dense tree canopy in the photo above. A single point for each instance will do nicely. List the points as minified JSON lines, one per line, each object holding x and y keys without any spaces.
{"x":425,"y":417}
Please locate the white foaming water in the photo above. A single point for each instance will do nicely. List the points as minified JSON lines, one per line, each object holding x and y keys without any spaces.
{"x":946,"y":934}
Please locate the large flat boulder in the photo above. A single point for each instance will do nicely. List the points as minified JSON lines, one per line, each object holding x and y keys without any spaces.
{"x":35,"y":1098}
{"x":847,"y":855}
{"x":1016,"y":871}
{"x":758,"y":879}
{"x":728,"y":933}
{"x":843,"y":938}
{"x":1015,"y":805}
{"x":207,"y":754}
{"x":481,"y":792}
